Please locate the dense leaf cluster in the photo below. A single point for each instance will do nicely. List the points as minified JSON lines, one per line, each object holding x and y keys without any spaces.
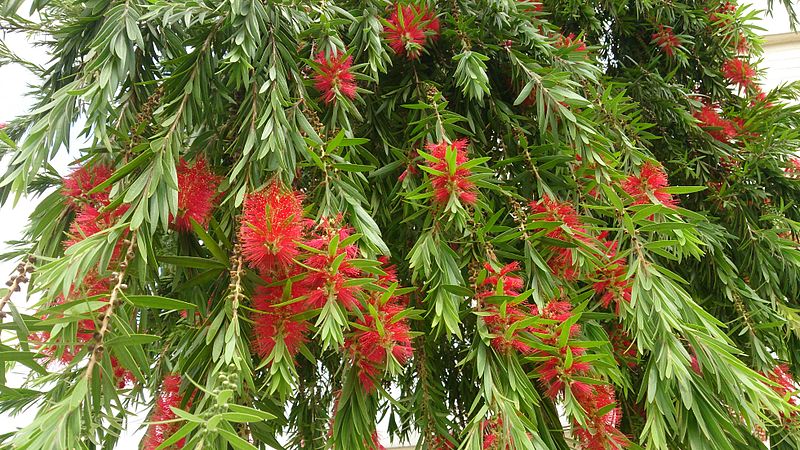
{"x":591,"y":207}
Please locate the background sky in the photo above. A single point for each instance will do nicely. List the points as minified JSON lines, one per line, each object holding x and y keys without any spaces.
{"x":780,"y":64}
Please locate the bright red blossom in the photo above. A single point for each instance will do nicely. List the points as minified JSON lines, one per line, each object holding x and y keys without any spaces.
{"x":786,"y":384}
{"x":570,"y":41}
{"x":334,"y":76}
{"x":409,"y":28}
{"x":371,"y":348}
{"x":793,"y":168}
{"x":452,"y":181}
{"x":650,"y":184}
{"x":720,"y":129}
{"x":498,"y":321}
{"x":738,"y":72}
{"x":612,"y":284}
{"x":601,"y":432}
{"x":197,"y":187}
{"x":169,"y":396}
{"x":666,"y":40}
{"x":271,"y":226}
{"x":323,"y":282}
{"x":272,"y":323}
{"x":82,"y":180}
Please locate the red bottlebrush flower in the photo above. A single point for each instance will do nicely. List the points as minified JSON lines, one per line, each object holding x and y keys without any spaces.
{"x":271,"y":226}
{"x":648,"y":185}
{"x":122,"y":376}
{"x":786,"y":384}
{"x":612,"y":284}
{"x":727,"y":8}
{"x":666,"y":40}
{"x":793,"y":168}
{"x":570,"y":41}
{"x":555,"y":211}
{"x":409,"y":27}
{"x":720,"y":129}
{"x":742,"y":46}
{"x":552,"y":372}
{"x":601,"y":432}
{"x":624,"y":350}
{"x":271,"y":322}
{"x":499,"y":320}
{"x":452,"y":181}
{"x":322,"y":282}
{"x":511,"y":283}
{"x":197,"y":187}
{"x":169,"y":396}
{"x":80,"y":181}
{"x":738,"y":72}
{"x":334,"y":76}
{"x":371,"y":345}
{"x":90,"y":221}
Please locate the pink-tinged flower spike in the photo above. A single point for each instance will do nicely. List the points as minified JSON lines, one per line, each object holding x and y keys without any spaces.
{"x":272,"y":224}
{"x":82,"y":180}
{"x":649,"y":184}
{"x":168,"y":397}
{"x":197,"y":189}
{"x":451,"y":180}
{"x":666,"y":40}
{"x":720,"y":129}
{"x":786,"y":384}
{"x":738,"y":72}
{"x":324,"y":280}
{"x":409,"y":27}
{"x":334,"y":76}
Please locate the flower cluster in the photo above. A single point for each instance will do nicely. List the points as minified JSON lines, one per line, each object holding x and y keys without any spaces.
{"x":273,"y":322}
{"x":793,"y":167}
{"x":382,"y":337}
{"x":785,"y":384}
{"x":650,"y":185}
{"x":601,"y":431}
{"x":625,"y":351}
{"x":715,"y":125}
{"x":377,"y":339}
{"x":666,"y":40}
{"x":271,"y":228}
{"x":334,"y":76}
{"x":168,"y":397}
{"x":570,"y":228}
{"x":612,"y":283}
{"x":451,"y":181}
{"x":553,"y":371}
{"x":409,"y":28}
{"x":197,"y":189}
{"x":738,"y":72}
{"x":500,"y":320}
{"x":80,"y":181}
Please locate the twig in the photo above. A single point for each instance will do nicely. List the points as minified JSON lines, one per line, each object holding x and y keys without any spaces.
{"x":113,"y":301}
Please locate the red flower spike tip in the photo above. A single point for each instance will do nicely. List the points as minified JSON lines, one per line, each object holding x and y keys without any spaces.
{"x":452,"y":181}
{"x":649,"y":184}
{"x":786,"y":384}
{"x":410,"y":26}
{"x":372,"y":346}
{"x":168,"y":397}
{"x":334,"y":76}
{"x":666,"y":40}
{"x":720,"y":129}
{"x":497,"y":321}
{"x":322,"y":283}
{"x":738,"y":72}
{"x":197,"y":189}
{"x":271,"y":323}
{"x":82,"y":180}
{"x":271,"y":226}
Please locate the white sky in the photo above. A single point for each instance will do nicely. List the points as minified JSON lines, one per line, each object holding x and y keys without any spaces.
{"x":13,"y":102}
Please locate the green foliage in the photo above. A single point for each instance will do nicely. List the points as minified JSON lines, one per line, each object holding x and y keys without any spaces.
{"x":683,"y":300}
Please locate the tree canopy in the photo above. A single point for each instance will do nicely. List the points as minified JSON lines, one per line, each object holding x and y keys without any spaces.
{"x":485,"y":224}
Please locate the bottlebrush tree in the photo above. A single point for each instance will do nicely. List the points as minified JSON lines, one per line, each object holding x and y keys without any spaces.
{"x":463,"y":224}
